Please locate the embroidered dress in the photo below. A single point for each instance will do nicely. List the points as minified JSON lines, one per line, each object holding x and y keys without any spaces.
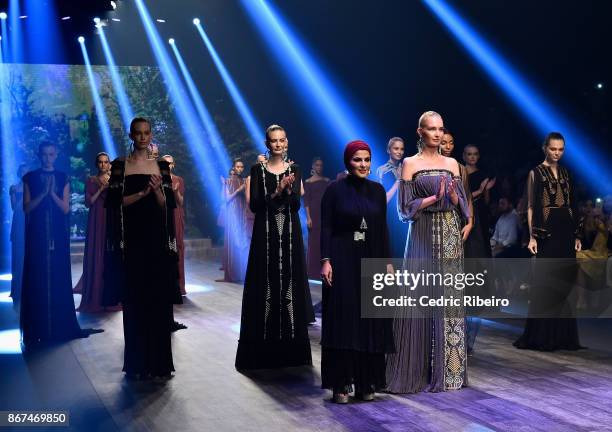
{"x":431,"y":352}
{"x":273,"y":328}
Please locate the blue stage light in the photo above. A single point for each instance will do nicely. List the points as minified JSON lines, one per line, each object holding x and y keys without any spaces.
{"x":9,"y":162}
{"x":10,"y":341}
{"x":16,"y":39}
{"x":209,"y":172}
{"x":196,"y":21}
{"x":3,"y":15}
{"x":214,"y":137}
{"x":319,"y":94}
{"x":171,"y":41}
{"x":254,"y":128}
{"x":582,"y":153}
{"x":96,"y":20}
{"x":43,"y":33}
{"x":599,"y":86}
{"x":6,"y":277}
{"x":125,"y":108}
{"x":107,"y":139}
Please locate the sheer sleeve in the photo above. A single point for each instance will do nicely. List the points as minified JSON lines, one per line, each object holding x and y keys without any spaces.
{"x":327,"y":217}
{"x":463,"y":204}
{"x":576,"y":216}
{"x":408,"y":203}
{"x":530,"y":190}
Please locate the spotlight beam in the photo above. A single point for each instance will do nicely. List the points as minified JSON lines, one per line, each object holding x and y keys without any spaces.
{"x":107,"y":139}
{"x":209,"y":173}
{"x":255,"y":130}
{"x":581,"y":152}
{"x":320,"y":95}
{"x":16,"y":35}
{"x":211,"y":129}
{"x":122,"y":98}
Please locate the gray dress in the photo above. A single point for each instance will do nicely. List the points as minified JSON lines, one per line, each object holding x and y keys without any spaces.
{"x":431,"y":354}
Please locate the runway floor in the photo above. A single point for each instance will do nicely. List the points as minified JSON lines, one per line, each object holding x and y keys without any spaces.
{"x":510,"y":390}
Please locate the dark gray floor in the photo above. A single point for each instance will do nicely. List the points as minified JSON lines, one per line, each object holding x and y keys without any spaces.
{"x":509,"y":389}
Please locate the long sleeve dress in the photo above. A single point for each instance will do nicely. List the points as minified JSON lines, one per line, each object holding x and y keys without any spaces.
{"x":179,"y":227}
{"x":555,"y":225}
{"x":273,"y":329}
{"x":91,"y":283}
{"x":313,"y":193}
{"x":353,"y":348}
{"x":431,"y":351}
{"x":141,"y":265}
{"x":47,"y":305}
{"x":17,"y":243}
{"x":235,"y":247}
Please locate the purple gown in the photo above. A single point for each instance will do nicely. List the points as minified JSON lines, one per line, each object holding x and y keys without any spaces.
{"x":431,"y":352}
{"x":91,"y":284}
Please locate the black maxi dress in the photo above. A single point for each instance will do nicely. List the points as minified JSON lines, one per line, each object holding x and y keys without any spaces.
{"x":47,"y":306}
{"x":353,"y":348}
{"x":141,"y":269}
{"x":555,"y":225}
{"x":273,"y":325}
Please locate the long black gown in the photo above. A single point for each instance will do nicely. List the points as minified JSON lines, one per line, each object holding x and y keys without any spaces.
{"x":273,"y":326}
{"x":47,"y":305}
{"x":17,"y":245}
{"x":354,"y":348}
{"x":144,"y":278}
{"x":555,"y":225}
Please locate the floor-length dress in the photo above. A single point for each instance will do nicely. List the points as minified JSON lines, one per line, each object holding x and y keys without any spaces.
{"x":235,"y":248}
{"x":142,"y":267}
{"x":388,"y":174}
{"x":431,"y":351}
{"x":47,"y":305}
{"x":478,"y":244}
{"x":313,"y":193}
{"x":91,"y":283}
{"x":17,"y":245}
{"x":353,"y":348}
{"x":179,"y":227}
{"x":273,"y":325}
{"x":555,"y":225}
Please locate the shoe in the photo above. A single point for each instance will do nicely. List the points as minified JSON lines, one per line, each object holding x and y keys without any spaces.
{"x":367,"y":397}
{"x":175,"y":326}
{"x":341,"y":398}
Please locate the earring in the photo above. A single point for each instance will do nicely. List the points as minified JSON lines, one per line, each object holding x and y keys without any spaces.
{"x":268,"y":154}
{"x":420,"y":145}
{"x":285,"y":156}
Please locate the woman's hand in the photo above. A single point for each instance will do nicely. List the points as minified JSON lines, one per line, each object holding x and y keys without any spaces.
{"x":451,"y":191}
{"x":326,"y":272}
{"x":533,"y":246}
{"x":483,"y":185}
{"x":309,"y":223}
{"x":442,"y":190}
{"x":490,"y":184}
{"x":578,"y":245}
{"x":466,"y":230}
{"x":286,"y":183}
{"x":154,"y":182}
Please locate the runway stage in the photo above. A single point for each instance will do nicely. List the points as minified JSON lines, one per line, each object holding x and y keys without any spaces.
{"x":509,"y":389}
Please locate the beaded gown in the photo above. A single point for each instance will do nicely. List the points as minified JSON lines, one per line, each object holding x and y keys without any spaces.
{"x":273,"y":325}
{"x":431,"y":352}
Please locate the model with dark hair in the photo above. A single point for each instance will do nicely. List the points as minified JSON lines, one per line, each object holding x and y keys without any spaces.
{"x":554,"y":232}
{"x":47,"y":306}
{"x":314,"y":187}
{"x":273,"y":325}
{"x":141,"y":259}
{"x":91,"y":283}
{"x":235,"y":246}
